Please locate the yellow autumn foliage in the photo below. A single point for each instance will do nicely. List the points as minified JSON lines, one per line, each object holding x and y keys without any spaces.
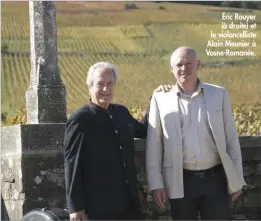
{"x":247,"y":118}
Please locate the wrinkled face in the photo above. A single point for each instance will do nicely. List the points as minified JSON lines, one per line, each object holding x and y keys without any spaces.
{"x":184,"y":66}
{"x":102,"y":90}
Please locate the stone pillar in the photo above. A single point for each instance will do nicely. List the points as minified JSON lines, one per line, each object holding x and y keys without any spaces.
{"x":31,"y":155}
{"x":46,"y":95}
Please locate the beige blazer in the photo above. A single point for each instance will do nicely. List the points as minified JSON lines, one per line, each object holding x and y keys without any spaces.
{"x":164,"y":156}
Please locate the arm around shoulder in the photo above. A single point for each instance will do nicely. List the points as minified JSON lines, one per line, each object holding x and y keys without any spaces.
{"x":140,"y":127}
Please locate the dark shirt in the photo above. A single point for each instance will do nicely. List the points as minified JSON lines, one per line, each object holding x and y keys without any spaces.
{"x":100,"y":172}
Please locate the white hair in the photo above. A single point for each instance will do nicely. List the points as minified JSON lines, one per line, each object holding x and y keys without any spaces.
{"x":103,"y":66}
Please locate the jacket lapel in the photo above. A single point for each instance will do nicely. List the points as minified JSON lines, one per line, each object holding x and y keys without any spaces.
{"x":174,"y":122}
{"x":208,"y":97}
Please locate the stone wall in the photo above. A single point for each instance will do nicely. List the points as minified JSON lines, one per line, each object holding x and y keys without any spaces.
{"x":32,"y":173}
{"x":32,"y":168}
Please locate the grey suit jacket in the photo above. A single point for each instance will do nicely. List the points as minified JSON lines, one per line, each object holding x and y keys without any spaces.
{"x":164,"y":156}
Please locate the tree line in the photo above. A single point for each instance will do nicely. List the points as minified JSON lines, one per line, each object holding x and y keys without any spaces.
{"x":233,"y":4}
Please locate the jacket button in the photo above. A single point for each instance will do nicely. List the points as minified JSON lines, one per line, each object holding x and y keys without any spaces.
{"x":126,"y":181}
{"x":110,"y":116}
{"x":116,"y":131}
{"x":121,"y":147}
{"x":124,"y":164}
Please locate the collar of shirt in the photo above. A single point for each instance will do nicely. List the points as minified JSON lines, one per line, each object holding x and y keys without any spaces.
{"x":177,"y":90}
{"x":98,"y":108}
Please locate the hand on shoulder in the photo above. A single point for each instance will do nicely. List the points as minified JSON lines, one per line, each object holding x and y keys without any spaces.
{"x":163,"y":88}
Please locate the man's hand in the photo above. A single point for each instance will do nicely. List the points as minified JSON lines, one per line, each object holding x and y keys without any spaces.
{"x":159,"y":196}
{"x":78,"y":216}
{"x":236,"y":195}
{"x":163,"y":88}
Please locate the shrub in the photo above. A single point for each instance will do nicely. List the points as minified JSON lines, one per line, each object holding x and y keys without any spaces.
{"x":130,"y":6}
{"x":18,"y":118}
{"x":161,"y":7}
{"x":3,"y":117}
{"x":247,"y":118}
{"x":4,"y":47}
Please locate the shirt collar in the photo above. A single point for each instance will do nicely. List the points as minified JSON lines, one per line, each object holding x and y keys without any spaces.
{"x":177,"y":90}
{"x":98,"y":108}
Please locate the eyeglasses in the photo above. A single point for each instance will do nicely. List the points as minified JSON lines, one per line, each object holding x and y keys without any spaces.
{"x":102,"y":85}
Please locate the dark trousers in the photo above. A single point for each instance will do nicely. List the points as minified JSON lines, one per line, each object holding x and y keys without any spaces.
{"x":134,"y":215}
{"x":131,"y":212}
{"x":205,"y":195}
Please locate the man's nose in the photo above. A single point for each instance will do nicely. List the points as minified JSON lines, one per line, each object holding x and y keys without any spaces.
{"x":183,"y":67}
{"x":105,"y":88}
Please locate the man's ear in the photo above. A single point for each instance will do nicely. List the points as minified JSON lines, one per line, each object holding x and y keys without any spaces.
{"x":89,"y":89}
{"x":198,"y":63}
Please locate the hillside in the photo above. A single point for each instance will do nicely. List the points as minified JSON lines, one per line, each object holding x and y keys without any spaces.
{"x":139,"y":42}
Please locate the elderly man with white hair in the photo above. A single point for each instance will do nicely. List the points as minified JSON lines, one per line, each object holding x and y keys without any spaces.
{"x":100,"y":176}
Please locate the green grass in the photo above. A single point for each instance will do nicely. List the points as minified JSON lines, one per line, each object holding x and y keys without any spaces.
{"x":139,"y":42}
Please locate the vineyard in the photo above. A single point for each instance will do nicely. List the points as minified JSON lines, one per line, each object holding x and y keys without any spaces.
{"x":136,"y":39}
{"x":139,"y":42}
